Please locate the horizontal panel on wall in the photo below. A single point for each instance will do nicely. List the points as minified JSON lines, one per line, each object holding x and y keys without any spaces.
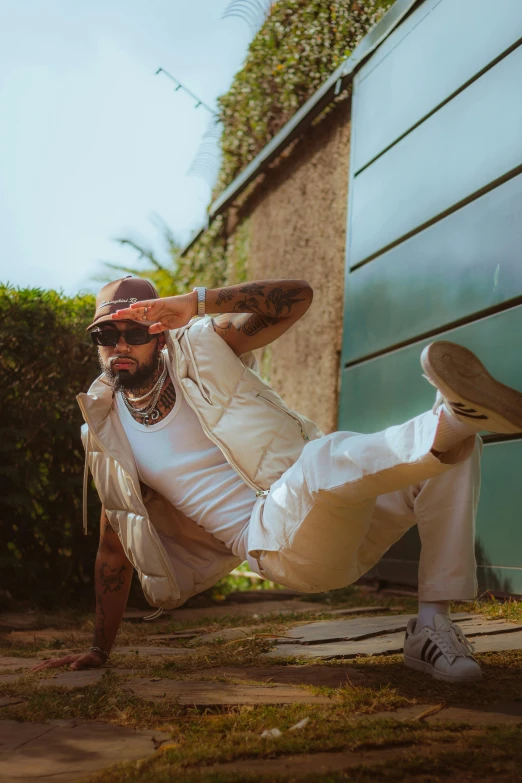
{"x":470,"y":142}
{"x":467,"y":262}
{"x":498,"y":533}
{"x":449,"y":43}
{"x":499,"y":528}
{"x":390,"y":389}
{"x":405,"y":572}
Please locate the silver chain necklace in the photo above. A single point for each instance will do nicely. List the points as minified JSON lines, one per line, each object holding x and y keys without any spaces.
{"x":150,"y":414}
{"x":158,"y":383}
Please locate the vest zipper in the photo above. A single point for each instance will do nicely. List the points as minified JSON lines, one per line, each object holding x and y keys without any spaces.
{"x":138,"y":494}
{"x":259,"y":492}
{"x":292,"y":415}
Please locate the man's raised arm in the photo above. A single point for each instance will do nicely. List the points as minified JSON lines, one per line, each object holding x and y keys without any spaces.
{"x":253,"y":315}
{"x":248,"y":315}
{"x":113,"y":575}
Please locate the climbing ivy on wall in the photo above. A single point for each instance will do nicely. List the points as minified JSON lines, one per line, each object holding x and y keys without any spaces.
{"x":206,"y":261}
{"x":299,"y":46}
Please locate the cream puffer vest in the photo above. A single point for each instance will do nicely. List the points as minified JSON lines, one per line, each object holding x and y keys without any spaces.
{"x":259,"y":436}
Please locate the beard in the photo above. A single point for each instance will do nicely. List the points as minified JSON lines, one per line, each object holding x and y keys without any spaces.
{"x":130,"y":381}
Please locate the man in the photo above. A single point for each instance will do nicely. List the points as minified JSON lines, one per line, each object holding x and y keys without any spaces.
{"x":200,"y":465}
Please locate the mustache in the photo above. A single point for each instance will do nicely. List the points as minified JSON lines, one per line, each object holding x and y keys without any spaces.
{"x":120,"y":359}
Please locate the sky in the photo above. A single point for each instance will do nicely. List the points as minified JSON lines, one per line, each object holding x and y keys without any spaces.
{"x":93,"y":144}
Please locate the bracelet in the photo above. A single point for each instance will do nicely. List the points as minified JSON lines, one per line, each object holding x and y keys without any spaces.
{"x":202,"y":294}
{"x":103,"y":653}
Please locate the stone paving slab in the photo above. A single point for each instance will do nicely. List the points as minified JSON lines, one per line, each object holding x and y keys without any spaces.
{"x":498,"y":642}
{"x":8,"y":678}
{"x":501,"y":713}
{"x":504,"y":713}
{"x":14,"y":734}
{"x":6,"y":701}
{"x":360,"y":628}
{"x":363,"y":610}
{"x":207,"y":693}
{"x":387,"y":645}
{"x":142,"y":650}
{"x":252,"y":607}
{"x":254,"y":596}
{"x":27,"y":620}
{"x":70,"y":679}
{"x":190,"y":633}
{"x":68,"y":750}
{"x":318,"y":764}
{"x":325,"y":676}
{"x":247,"y":610}
{"x":415,"y":712}
{"x":47,"y":635}
{"x":8,"y":662}
{"x":380,"y":645}
{"x":225,"y":634}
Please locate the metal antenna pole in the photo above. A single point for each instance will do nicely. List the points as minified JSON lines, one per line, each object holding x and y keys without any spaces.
{"x":180,"y":86}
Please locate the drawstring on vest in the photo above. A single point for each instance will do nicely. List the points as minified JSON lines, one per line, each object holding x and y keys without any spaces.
{"x":85,"y":481}
{"x":153,"y":616}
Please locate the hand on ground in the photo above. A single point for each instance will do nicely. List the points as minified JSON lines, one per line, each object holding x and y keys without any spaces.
{"x":169,"y":312}
{"x":90,"y":660}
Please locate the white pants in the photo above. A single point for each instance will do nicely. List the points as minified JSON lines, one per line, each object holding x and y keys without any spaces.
{"x":349,"y":497}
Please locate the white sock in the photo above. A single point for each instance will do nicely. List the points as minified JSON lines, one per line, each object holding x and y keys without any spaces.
{"x":451,"y":431}
{"x":428,"y":610}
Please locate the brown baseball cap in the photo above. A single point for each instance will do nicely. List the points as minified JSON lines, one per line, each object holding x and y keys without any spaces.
{"x":120,"y":294}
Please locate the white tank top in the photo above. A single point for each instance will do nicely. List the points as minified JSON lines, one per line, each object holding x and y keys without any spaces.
{"x":178,"y":460}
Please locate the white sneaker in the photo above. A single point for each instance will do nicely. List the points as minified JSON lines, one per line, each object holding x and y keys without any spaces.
{"x":469,"y":392}
{"x":442,"y":651}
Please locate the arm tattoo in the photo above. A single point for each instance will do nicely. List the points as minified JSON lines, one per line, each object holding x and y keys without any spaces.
{"x":281,"y":300}
{"x":256,"y":323}
{"x":260,"y":310}
{"x":112,"y":579}
{"x":225,"y":295}
{"x":100,"y":640}
{"x":253,"y":289}
{"x":222,"y":327}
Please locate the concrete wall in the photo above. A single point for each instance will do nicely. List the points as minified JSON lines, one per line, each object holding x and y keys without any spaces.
{"x":297,"y":228}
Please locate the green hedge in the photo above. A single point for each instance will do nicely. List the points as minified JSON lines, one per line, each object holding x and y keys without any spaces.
{"x":46,"y":359}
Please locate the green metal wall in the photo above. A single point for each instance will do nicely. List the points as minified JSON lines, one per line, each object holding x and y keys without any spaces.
{"x":435,"y":240}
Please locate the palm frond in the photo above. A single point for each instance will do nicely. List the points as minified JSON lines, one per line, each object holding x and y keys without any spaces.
{"x":253,"y":12}
{"x":162,"y":274}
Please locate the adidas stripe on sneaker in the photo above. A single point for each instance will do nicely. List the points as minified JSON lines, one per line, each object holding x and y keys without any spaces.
{"x":442,"y":651}
{"x":469,"y":392}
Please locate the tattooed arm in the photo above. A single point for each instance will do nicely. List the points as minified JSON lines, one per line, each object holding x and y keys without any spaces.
{"x":113,"y":574}
{"x":250,"y":315}
{"x":253,"y":315}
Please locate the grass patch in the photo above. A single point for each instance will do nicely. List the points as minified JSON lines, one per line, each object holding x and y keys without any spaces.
{"x":204,"y":736}
{"x":430,"y":754}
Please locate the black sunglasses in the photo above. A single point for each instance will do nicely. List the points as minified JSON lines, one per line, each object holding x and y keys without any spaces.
{"x":110,"y":337}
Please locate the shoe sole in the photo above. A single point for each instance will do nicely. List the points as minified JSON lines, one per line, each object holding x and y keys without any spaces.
{"x":457,"y":372}
{"x":423,"y":666}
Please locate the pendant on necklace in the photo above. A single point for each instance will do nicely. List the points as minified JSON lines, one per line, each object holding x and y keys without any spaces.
{"x":154,"y":416}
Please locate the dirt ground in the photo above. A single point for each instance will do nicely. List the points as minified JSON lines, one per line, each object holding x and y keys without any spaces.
{"x":196,"y":696}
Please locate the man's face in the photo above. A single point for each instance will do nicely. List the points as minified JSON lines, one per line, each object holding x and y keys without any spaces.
{"x":128,"y":366}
